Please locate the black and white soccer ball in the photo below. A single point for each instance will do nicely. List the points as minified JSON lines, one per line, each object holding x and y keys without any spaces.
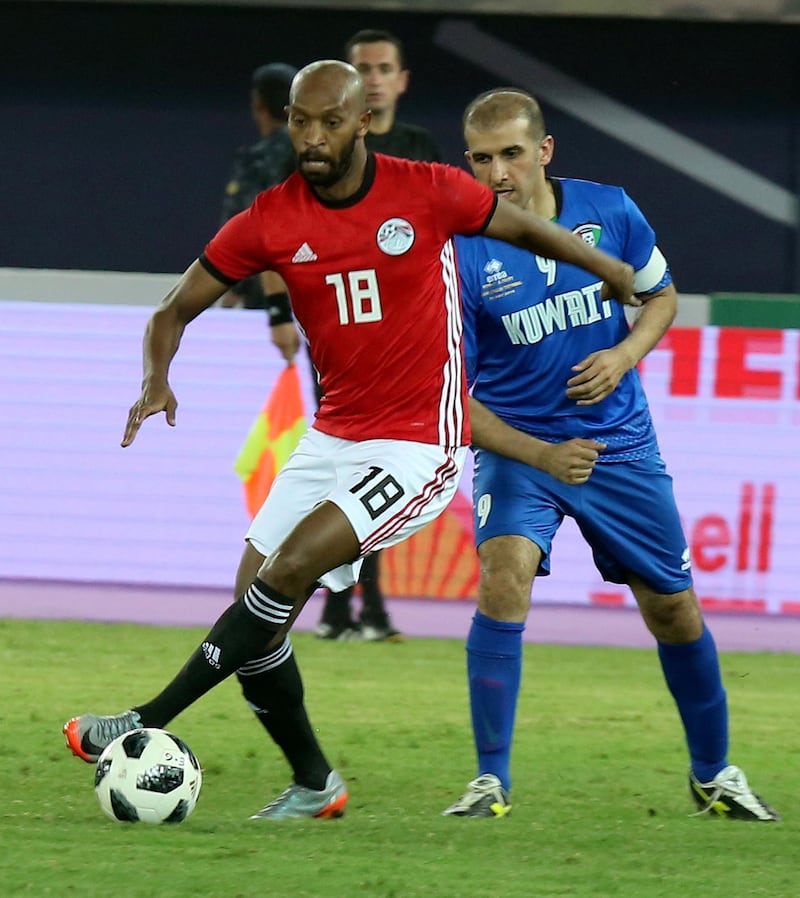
{"x":148,"y":775}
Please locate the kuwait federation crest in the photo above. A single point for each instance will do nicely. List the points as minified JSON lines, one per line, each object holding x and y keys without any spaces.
{"x":589,"y":233}
{"x":395,"y":236}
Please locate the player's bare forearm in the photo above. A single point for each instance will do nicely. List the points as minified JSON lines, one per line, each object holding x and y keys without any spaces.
{"x":194,"y":292}
{"x":162,"y":337}
{"x":544,"y":238}
{"x":652,"y":321}
{"x":490,"y":432}
{"x":570,"y":461}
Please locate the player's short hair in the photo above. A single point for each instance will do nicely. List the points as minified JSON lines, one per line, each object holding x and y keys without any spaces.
{"x":272,"y":82}
{"x":495,"y":107}
{"x":376,"y":36}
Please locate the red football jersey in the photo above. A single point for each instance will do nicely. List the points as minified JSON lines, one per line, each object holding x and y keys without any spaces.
{"x":374,"y":287}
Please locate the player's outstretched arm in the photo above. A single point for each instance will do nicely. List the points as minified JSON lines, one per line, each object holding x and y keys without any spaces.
{"x":544,"y":238}
{"x":571,"y":461}
{"x":599,"y":374}
{"x":194,"y":292}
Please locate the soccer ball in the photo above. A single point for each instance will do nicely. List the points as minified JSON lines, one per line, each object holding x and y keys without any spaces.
{"x":147,"y":775}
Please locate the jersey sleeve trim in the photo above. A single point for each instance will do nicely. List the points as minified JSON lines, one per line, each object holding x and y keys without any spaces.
{"x":489,"y":216}
{"x":215,"y":272}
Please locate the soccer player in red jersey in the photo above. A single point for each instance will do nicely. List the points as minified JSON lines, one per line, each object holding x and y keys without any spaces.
{"x":364,"y":244}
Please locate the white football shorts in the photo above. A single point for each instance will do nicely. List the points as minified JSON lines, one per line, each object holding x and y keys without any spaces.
{"x":388,"y":490}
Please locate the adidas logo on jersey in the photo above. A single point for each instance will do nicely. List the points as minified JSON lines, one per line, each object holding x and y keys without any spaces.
{"x":304,"y":254}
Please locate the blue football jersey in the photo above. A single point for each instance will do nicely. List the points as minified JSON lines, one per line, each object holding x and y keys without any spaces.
{"x":528,"y":320}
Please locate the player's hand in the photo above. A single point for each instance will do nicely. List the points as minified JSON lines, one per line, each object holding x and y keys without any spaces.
{"x":572,"y":461}
{"x":152,"y":401}
{"x":620,"y":286}
{"x":286,"y":339}
{"x":598,"y":375}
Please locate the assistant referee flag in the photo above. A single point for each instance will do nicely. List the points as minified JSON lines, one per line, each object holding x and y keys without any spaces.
{"x":272,"y":438}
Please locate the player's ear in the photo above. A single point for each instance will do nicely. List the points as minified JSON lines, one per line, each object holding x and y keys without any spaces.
{"x":546,"y":150}
{"x":363,"y":123}
{"x":405,"y":76}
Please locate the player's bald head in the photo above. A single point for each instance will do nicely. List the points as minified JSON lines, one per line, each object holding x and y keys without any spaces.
{"x":494,"y":108}
{"x":329,"y":82}
{"x":328,"y":120}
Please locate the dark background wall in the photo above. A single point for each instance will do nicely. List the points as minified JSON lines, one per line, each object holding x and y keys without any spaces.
{"x":117,"y":124}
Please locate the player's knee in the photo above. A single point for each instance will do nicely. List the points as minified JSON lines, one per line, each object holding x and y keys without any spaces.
{"x":672,"y":618}
{"x":288,"y":571}
{"x":508,"y":566}
{"x":506,"y":579}
{"x":504,"y":597}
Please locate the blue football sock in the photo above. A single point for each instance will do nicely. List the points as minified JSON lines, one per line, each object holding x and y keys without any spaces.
{"x":693,"y":676}
{"x":494,"y":669}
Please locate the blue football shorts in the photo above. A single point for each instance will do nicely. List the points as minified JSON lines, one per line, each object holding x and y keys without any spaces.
{"x":626,"y":511}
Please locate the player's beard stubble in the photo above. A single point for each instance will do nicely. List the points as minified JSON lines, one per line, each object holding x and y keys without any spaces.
{"x":337,"y":169}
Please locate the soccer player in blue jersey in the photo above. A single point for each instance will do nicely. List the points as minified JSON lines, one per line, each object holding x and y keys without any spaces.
{"x":562,"y":428}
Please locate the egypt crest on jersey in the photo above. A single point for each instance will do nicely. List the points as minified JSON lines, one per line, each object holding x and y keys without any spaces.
{"x":528,"y":320}
{"x":375,"y":290}
{"x":395,"y":236}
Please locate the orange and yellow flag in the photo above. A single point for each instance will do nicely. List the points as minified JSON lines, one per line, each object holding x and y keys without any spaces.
{"x":272,"y":439}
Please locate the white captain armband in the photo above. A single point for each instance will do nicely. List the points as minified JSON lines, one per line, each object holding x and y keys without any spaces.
{"x":653,"y":274}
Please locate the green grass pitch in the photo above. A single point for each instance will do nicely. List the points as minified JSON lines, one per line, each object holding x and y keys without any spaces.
{"x":601,"y":807}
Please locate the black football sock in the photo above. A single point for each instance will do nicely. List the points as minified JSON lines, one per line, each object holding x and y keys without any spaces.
{"x":337,"y":608}
{"x":373,"y":611}
{"x":240,"y":634}
{"x":273,"y":688}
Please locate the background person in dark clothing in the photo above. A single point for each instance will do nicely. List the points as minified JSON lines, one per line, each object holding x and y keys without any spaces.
{"x":379,"y":58}
{"x":257,"y":167}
